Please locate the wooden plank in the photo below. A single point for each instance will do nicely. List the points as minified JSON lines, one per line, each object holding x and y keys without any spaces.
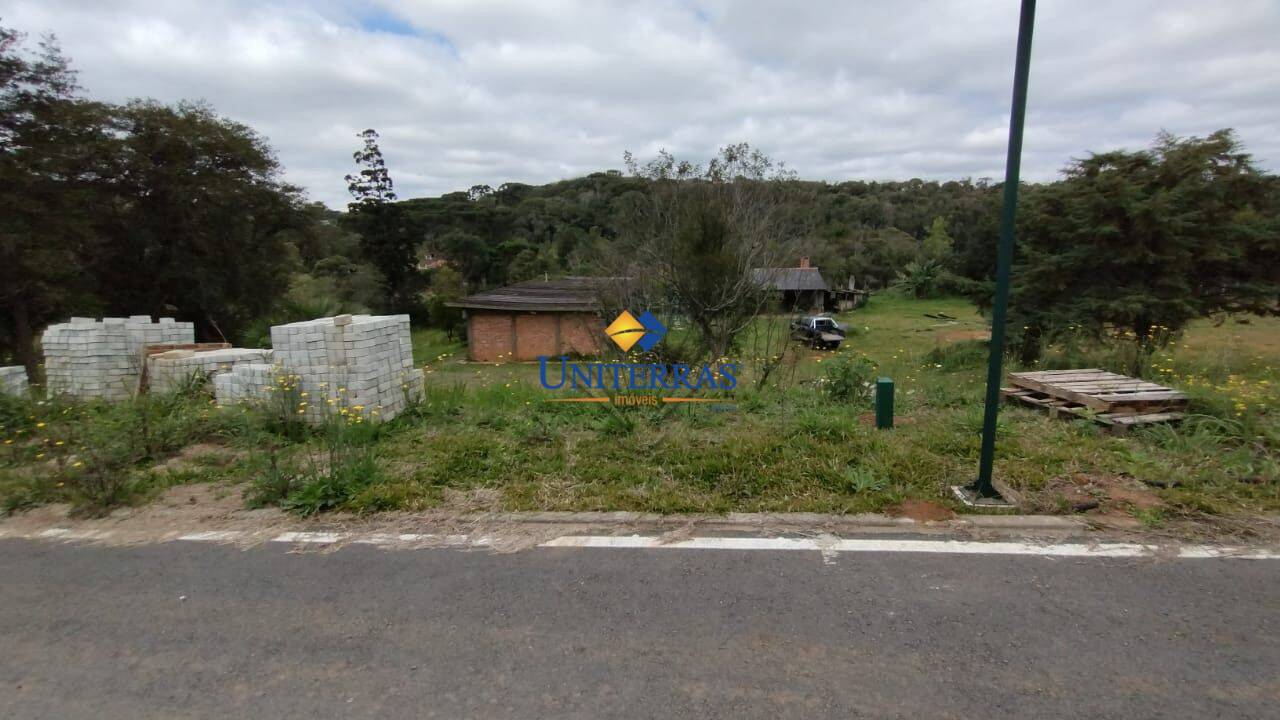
{"x":1074,"y":377}
{"x":1055,"y":407}
{"x":166,"y":347}
{"x":1156,"y":396}
{"x":1060,"y":372}
{"x":1127,"y":382}
{"x":1147,"y":418}
{"x":1067,"y":374}
{"x":1023,"y":380}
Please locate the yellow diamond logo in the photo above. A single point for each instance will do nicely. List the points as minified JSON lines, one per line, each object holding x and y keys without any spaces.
{"x":626,"y":331}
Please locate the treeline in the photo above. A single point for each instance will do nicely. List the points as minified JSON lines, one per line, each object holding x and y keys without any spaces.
{"x":865,"y":230}
{"x":174,"y":210}
{"x":127,"y":209}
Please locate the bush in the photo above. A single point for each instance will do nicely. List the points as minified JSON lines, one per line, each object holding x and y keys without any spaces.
{"x":850,"y":378}
{"x":312,"y":480}
{"x":963,"y":355}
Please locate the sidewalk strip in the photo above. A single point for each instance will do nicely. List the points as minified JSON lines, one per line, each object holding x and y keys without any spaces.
{"x":953,"y":547}
{"x":827,"y":545}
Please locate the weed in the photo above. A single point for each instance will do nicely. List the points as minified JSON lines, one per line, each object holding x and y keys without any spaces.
{"x":850,"y":378}
{"x":859,"y":480}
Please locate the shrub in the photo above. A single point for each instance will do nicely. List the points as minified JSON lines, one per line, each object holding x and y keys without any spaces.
{"x":963,"y":355}
{"x":850,"y":378}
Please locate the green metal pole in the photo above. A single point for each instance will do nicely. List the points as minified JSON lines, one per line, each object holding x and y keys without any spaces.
{"x":1004,"y":254}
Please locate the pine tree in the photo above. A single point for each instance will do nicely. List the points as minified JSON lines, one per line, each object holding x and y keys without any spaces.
{"x":1134,"y":245}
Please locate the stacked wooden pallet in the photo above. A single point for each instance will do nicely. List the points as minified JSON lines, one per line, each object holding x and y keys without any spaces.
{"x":1114,"y":400}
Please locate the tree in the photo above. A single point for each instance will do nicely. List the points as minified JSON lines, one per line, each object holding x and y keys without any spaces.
{"x":50,"y":153}
{"x":124,"y":210}
{"x":195,"y":219}
{"x":937,"y":244}
{"x":468,"y":252}
{"x":1136,"y":244}
{"x":693,"y":241}
{"x":446,"y":286}
{"x":386,"y":238}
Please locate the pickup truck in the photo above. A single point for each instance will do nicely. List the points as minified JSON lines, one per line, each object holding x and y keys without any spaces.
{"x":817,"y":331}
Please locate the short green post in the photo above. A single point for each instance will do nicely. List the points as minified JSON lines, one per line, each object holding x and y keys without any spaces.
{"x":884,"y":403}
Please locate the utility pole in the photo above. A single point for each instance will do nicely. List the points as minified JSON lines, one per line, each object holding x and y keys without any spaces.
{"x":983,"y":487}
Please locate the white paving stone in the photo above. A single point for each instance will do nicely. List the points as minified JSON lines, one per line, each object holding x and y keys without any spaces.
{"x":169,"y":370}
{"x":13,"y":380}
{"x":89,"y":358}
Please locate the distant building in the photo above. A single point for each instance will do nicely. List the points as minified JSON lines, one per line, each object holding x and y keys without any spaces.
{"x":798,"y":288}
{"x":534,"y":318}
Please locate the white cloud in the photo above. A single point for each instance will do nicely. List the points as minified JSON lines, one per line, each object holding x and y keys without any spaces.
{"x":468,"y":92}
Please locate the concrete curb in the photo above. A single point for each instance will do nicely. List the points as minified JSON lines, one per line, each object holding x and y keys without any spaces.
{"x":784,"y":520}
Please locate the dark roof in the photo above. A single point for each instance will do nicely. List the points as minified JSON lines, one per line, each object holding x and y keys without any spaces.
{"x":570,"y":294}
{"x":790,"y":278}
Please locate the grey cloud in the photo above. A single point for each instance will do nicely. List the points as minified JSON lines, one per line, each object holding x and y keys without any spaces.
{"x":538,"y":91}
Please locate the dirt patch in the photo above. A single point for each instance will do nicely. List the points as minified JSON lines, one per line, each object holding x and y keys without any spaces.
{"x":953,"y":336}
{"x":921,"y":511}
{"x":472,"y":501}
{"x":1100,"y":494}
{"x":203,"y":506}
{"x":200,"y":455}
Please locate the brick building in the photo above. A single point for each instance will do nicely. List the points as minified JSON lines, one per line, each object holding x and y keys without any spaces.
{"x":535,"y":318}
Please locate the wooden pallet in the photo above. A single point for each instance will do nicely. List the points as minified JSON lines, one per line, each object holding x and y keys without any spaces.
{"x":149,"y":350}
{"x":1111,"y":399}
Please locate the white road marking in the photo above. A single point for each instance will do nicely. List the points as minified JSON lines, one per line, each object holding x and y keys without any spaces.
{"x":311,"y":537}
{"x":392,"y":538}
{"x":213,"y":536}
{"x":953,"y":547}
{"x":69,"y":534}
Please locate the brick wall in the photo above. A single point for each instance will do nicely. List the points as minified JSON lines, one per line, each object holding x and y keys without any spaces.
{"x":489,"y":335}
{"x":536,"y":335}
{"x":581,"y":333}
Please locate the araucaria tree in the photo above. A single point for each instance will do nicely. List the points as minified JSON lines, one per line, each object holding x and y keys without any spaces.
{"x":1133,"y":245}
{"x":386,"y":239}
{"x":691,"y":241}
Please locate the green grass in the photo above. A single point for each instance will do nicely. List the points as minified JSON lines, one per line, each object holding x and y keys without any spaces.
{"x":485,"y":435}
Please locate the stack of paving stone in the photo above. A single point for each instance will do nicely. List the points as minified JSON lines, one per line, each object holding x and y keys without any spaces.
{"x":13,"y":380}
{"x":361,"y":362}
{"x":246,"y":381}
{"x":103,"y":359}
{"x":169,"y":370}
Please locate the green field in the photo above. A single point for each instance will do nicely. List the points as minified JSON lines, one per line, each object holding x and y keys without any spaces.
{"x":484,"y":436}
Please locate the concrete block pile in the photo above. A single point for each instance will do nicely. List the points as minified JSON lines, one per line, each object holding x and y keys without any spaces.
{"x":91,"y":358}
{"x":247,"y":381}
{"x":13,"y":380}
{"x":361,"y":362}
{"x":169,"y":370}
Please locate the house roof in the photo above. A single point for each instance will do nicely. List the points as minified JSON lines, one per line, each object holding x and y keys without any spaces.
{"x":790,"y":278}
{"x":570,"y":294}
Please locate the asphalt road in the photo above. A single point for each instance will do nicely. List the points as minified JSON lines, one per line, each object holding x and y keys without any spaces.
{"x":196,"y":630}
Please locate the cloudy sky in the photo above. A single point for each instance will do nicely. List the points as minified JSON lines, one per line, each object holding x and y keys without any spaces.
{"x":467,"y":91}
